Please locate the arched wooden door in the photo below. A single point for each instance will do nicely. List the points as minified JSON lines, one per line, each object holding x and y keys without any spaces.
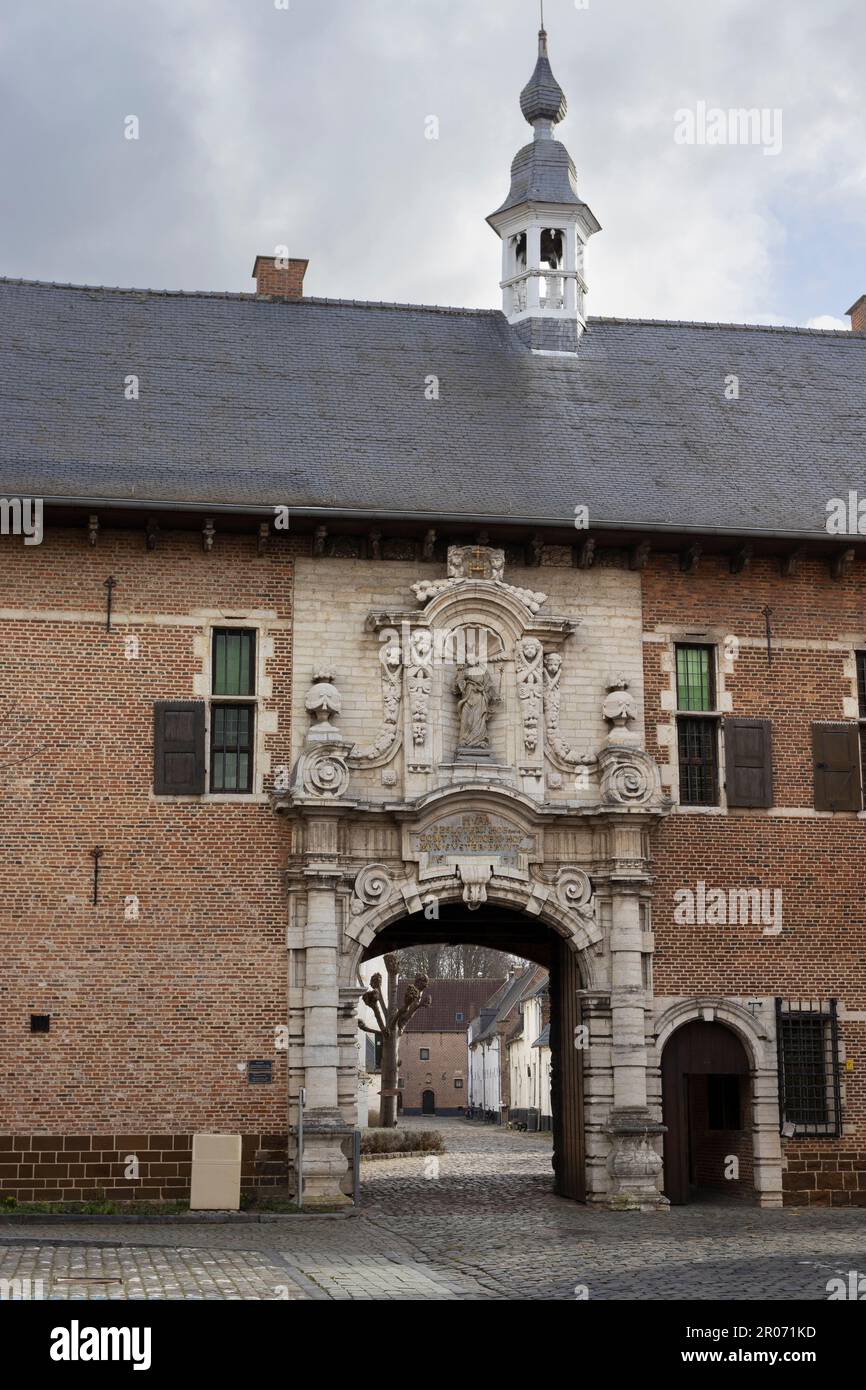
{"x":706,"y":1109}
{"x":428,"y":1103}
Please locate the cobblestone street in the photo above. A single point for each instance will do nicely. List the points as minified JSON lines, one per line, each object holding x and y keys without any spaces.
{"x":481,"y":1223}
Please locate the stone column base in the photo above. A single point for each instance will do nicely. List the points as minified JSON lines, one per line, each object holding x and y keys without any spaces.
{"x":324,"y":1161}
{"x":634,"y":1166}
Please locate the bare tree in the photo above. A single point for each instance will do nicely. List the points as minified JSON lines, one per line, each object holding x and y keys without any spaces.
{"x":456,"y":962}
{"x":392,"y":1018}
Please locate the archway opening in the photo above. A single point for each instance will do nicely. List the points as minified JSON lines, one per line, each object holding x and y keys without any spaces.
{"x":532,"y":941}
{"x":707,"y":1108}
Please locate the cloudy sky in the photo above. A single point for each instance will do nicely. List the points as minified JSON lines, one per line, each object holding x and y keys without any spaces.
{"x":302,"y":122}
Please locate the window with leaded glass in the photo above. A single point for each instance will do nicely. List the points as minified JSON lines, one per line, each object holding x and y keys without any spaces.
{"x":233,"y":710}
{"x":697,"y":726}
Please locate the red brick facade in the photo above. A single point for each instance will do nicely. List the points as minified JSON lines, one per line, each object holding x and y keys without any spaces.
{"x":151,"y":1020}
{"x":153,"y":1017}
{"x":814,"y":858}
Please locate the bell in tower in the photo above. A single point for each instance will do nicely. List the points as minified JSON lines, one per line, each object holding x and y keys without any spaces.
{"x":544,"y":225}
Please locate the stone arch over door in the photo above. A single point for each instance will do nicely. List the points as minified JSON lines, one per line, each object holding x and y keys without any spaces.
{"x":758,"y":1043}
{"x":502,"y":927}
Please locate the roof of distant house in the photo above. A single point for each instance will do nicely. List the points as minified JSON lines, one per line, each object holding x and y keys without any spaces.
{"x":453,"y":1003}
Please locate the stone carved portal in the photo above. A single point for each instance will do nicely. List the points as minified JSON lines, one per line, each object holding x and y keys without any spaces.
{"x":471,"y":828}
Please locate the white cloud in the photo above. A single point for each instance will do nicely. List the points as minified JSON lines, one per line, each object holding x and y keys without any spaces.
{"x":305,"y":127}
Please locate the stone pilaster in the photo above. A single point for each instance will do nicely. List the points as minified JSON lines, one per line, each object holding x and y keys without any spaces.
{"x":635,"y":1164}
{"x":324,"y":1125}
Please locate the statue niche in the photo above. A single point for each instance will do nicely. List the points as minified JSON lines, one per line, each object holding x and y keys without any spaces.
{"x":477,"y":692}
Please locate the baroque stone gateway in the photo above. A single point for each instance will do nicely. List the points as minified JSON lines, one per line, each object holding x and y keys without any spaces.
{"x":476,"y":824}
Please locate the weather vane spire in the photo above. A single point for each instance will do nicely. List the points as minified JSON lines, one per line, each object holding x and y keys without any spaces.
{"x":541,"y":8}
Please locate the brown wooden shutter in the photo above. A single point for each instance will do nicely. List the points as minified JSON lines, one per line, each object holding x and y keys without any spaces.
{"x":178,"y":747}
{"x":748,"y":762}
{"x":836,"y":759}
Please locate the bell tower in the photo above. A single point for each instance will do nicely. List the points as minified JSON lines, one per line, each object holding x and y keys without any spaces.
{"x":544,"y":225}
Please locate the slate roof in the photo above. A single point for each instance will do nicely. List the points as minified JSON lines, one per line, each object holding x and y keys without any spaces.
{"x":542,"y":172}
{"x":447,"y":999}
{"x":542,"y":97}
{"x":320,"y":404}
{"x":507,"y":998}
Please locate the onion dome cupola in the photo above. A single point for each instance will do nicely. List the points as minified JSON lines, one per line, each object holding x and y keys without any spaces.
{"x":544,"y":225}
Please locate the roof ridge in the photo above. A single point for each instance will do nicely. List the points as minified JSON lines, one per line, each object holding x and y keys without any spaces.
{"x":710,"y":324}
{"x":245,"y":296}
{"x":324,"y":301}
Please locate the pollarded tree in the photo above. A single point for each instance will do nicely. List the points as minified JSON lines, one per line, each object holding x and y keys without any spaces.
{"x":392,"y":1018}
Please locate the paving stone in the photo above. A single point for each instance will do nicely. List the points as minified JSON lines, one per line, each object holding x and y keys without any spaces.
{"x":489,"y":1227}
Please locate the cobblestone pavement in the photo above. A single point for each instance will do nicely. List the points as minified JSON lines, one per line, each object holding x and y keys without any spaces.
{"x":480,"y":1223}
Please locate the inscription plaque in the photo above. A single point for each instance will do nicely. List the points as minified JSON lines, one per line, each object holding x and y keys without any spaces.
{"x":473,"y":833}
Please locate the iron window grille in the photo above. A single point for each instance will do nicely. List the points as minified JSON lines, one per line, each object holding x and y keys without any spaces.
{"x":233,"y":710}
{"x":807,"y":1037}
{"x":697,"y":725}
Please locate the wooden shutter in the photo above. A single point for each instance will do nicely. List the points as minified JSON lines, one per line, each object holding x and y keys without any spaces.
{"x":178,"y":747}
{"x":748,"y":762}
{"x":836,"y":759}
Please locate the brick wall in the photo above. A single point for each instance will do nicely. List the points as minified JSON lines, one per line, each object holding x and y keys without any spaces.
{"x":448,"y":1062}
{"x":815,"y":858}
{"x":152,"y":1020}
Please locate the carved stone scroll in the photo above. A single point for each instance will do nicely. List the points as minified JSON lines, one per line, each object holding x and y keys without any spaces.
{"x":373,"y":886}
{"x":387,"y":743}
{"x":558,"y":751}
{"x":629,"y":777}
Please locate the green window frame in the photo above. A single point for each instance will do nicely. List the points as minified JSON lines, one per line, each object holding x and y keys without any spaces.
{"x":697,"y":724}
{"x":695,"y":678}
{"x":233,"y":661}
{"x":232,"y":719}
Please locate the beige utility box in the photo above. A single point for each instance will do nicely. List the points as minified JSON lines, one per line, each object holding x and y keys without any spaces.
{"x":216,"y":1172}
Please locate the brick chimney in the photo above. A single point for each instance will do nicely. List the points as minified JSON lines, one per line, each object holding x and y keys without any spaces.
{"x":858,"y":315}
{"x":279,"y":276}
